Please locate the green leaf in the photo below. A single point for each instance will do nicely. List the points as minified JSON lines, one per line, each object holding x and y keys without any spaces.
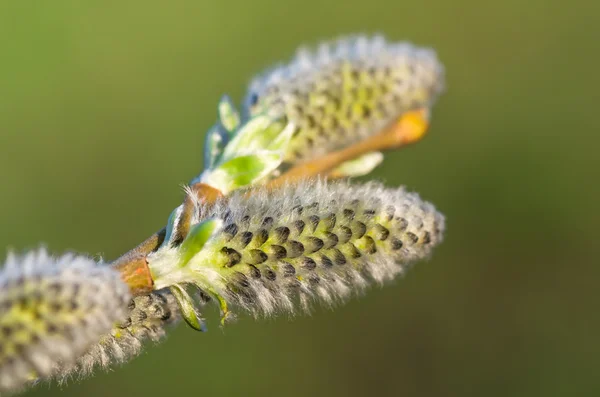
{"x":188,"y":310}
{"x":257,"y":134}
{"x":198,"y":236}
{"x":359,"y":166}
{"x":282,"y":140}
{"x":214,"y":143}
{"x":228,"y":115}
{"x":243,"y":170}
{"x":172,"y":225}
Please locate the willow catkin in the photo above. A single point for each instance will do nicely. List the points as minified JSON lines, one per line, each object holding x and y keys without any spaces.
{"x":52,"y":310}
{"x":346,"y":90}
{"x":311,"y":241}
{"x":147,"y":319}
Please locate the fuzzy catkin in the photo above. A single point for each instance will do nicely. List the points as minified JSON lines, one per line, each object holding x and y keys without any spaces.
{"x":346,"y":90}
{"x":311,"y":241}
{"x":148,"y":317}
{"x":52,"y":310}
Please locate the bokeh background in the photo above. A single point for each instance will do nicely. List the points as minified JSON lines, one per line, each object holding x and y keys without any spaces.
{"x":103,"y":108}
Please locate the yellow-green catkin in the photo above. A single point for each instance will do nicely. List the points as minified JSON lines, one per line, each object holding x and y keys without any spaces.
{"x":52,"y":310}
{"x":313,"y":241}
{"x":147,"y":320}
{"x":346,"y":90}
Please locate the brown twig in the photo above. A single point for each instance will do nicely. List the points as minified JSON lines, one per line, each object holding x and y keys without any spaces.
{"x":135,"y":273}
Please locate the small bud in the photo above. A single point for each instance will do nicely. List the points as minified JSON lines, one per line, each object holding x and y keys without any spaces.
{"x":311,"y":241}
{"x":228,"y":115}
{"x":346,"y":91}
{"x":52,"y":310}
{"x":147,"y":319}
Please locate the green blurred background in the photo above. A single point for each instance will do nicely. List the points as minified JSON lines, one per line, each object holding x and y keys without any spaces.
{"x":103,"y":107}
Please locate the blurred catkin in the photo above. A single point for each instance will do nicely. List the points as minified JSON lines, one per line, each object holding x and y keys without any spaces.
{"x":345,"y":91}
{"x":148,"y":317}
{"x":310,"y":241}
{"x":52,"y":310}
